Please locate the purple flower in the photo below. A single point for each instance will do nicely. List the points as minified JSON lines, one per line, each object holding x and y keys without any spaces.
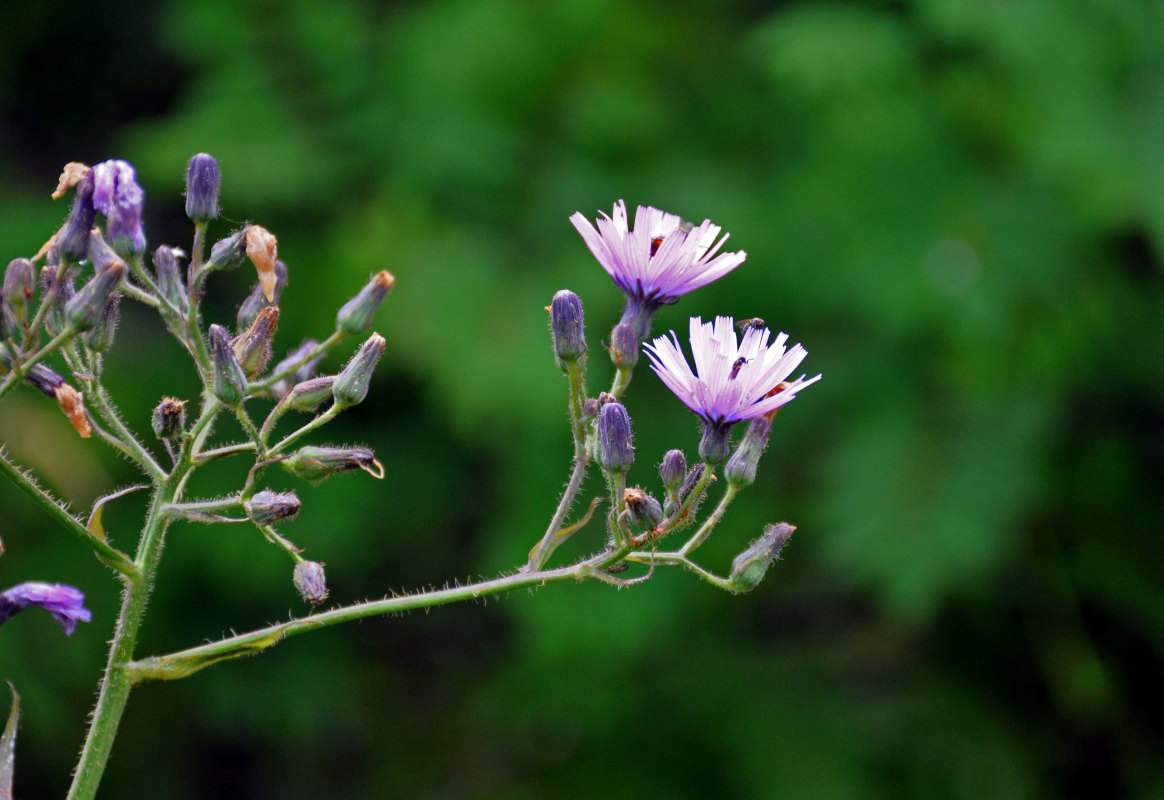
{"x":117,"y":195}
{"x":662,"y":259}
{"x":733,"y":380}
{"x":63,"y":602}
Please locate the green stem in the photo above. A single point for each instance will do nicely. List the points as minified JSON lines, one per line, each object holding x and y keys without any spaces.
{"x":321,"y":348}
{"x":709,"y":524}
{"x":322,"y":419}
{"x":21,"y":366}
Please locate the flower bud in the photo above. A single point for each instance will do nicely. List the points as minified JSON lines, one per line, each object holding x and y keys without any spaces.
{"x":310,"y":582}
{"x":256,"y":301}
{"x":749,"y":567}
{"x":315,"y":464}
{"x":87,"y":307}
{"x":229,"y":253}
{"x":202,"y":181}
{"x":100,"y":336}
{"x":117,"y":195}
{"x":267,"y":507}
{"x":101,"y":255}
{"x":169,"y":418}
{"x":57,"y":286}
{"x":624,"y":346}
{"x":351,"y":385}
{"x":567,"y":327}
{"x":73,"y":237}
{"x":740,"y":469}
{"x":308,"y":395}
{"x":230,"y":382}
{"x":19,"y":284}
{"x":355,"y":316}
{"x":45,"y":379}
{"x":253,"y":348}
{"x":305,"y":370}
{"x":716,"y":443}
{"x":170,"y":281}
{"x":590,"y":407}
{"x":673,"y":470}
{"x":644,"y":509}
{"x":616,"y":450}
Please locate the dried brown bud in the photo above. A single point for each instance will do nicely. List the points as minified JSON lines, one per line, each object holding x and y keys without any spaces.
{"x":72,"y":403}
{"x":253,"y":348}
{"x":73,"y":173}
{"x":263,"y":250}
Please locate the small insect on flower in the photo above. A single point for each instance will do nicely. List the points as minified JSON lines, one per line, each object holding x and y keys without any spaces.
{"x":748,"y":324}
{"x":739,"y":362}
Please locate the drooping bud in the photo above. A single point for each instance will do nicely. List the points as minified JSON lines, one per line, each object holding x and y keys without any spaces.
{"x":253,"y":348}
{"x":117,"y":195}
{"x":310,"y":394}
{"x":673,"y":470}
{"x":100,"y":336}
{"x":567,"y":327}
{"x":256,"y":301}
{"x":169,"y":418}
{"x":355,"y":316}
{"x":73,"y":237}
{"x":229,"y":253}
{"x":616,"y":450}
{"x":644,"y":509}
{"x":740,"y":470}
{"x":263,"y":251}
{"x":310,"y":581}
{"x":202,"y":182}
{"x":170,"y":281}
{"x":315,"y":464}
{"x":230,"y":382}
{"x":716,"y":443}
{"x":749,"y":567}
{"x":351,"y":385}
{"x":624,"y":346}
{"x":19,"y":284}
{"x":87,"y":307}
{"x":267,"y":507}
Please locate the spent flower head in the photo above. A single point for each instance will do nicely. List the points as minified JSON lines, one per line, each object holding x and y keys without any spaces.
{"x":117,"y":195}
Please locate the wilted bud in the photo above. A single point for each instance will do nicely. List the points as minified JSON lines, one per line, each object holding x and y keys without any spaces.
{"x":567,"y":327}
{"x":740,"y":470}
{"x":229,"y":253}
{"x":73,"y":237}
{"x":253,"y":348}
{"x":716,"y":443}
{"x":256,"y":301}
{"x":169,"y":418}
{"x":65,"y":603}
{"x":616,"y":450}
{"x":263,"y":251}
{"x":355,"y":316}
{"x":202,"y":181}
{"x":308,"y":395}
{"x":351,"y":385}
{"x":624,"y":346}
{"x":644,"y":509}
{"x":314,"y":464}
{"x":673,"y":470}
{"x":267,"y":507}
{"x":230,"y":382}
{"x":310,"y":582}
{"x":87,"y":307}
{"x":72,"y":404}
{"x":749,"y":567}
{"x":19,"y":284}
{"x":100,"y":336}
{"x":170,"y":280}
{"x":117,"y":195}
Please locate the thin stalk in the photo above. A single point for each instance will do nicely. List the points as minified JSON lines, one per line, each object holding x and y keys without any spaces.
{"x":709,"y":524}
{"x":275,"y":377}
{"x":322,"y":419}
{"x":21,"y":365}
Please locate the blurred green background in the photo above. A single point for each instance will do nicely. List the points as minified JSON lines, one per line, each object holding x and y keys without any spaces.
{"x":956,"y":205}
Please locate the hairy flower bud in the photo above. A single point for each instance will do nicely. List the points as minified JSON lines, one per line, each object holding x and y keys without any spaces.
{"x":315,"y":464}
{"x":716,"y":443}
{"x":57,"y":285}
{"x":87,"y":307}
{"x":19,"y":284}
{"x":170,"y":281}
{"x":267,"y":507}
{"x":624,"y":346}
{"x":673,"y":470}
{"x":229,"y":253}
{"x":310,"y":581}
{"x":230,"y":382}
{"x":644,"y":509}
{"x":73,"y":237}
{"x":308,"y":395}
{"x":740,"y":470}
{"x":43,"y":378}
{"x":567,"y":327}
{"x":101,"y":255}
{"x":748,"y":567}
{"x":616,"y":450}
{"x":355,"y":316}
{"x":100,"y":336}
{"x":256,"y":301}
{"x":253,"y":348}
{"x":351,"y":385}
{"x":202,"y":182}
{"x":169,"y":418}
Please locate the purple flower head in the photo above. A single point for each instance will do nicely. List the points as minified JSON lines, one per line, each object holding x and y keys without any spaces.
{"x":63,"y":602}
{"x":117,"y":195}
{"x":733,"y":380}
{"x":662,"y":259}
